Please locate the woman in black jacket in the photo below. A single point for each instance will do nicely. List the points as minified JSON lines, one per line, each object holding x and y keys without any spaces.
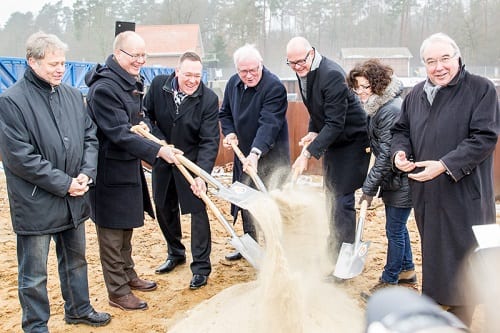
{"x":379,"y":92}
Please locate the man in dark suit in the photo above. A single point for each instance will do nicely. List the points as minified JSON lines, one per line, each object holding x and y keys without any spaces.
{"x":253,"y":115}
{"x":120,"y":196}
{"x":337,"y":131}
{"x":183,"y":112}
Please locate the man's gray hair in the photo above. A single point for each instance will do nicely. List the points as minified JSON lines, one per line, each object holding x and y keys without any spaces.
{"x":39,"y":43}
{"x":247,"y":51}
{"x":438,"y":37}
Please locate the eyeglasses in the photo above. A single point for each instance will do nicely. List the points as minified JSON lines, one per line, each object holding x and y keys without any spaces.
{"x":432,"y":63}
{"x":136,"y":57}
{"x":245,"y":72}
{"x":300,"y":62}
{"x":190,"y":76}
{"x":361,"y":88}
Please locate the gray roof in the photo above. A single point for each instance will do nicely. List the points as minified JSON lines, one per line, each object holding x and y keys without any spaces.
{"x":375,"y":52}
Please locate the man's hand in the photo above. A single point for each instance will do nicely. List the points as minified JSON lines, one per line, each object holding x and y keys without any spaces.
{"x":402,"y":163}
{"x":300,"y":164}
{"x":199,"y":187}
{"x":251,"y":161}
{"x":432,"y":169}
{"x":231,"y":137}
{"x":144,"y":126}
{"x":307,"y":139}
{"x":79,"y":186}
{"x":168,"y":154}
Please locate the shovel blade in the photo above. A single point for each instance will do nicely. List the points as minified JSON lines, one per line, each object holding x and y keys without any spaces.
{"x":239,"y":194}
{"x":351,"y":260}
{"x":249,"y":249}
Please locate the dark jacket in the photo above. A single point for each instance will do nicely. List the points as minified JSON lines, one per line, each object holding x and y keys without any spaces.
{"x":338,"y":118}
{"x":258,"y":117}
{"x":460,"y":128}
{"x":193,"y":128}
{"x":383,"y":111}
{"x":46,"y":139}
{"x":120,"y":195}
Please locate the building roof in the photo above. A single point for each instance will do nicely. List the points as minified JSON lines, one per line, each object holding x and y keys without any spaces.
{"x":375,"y":52}
{"x":171,"y":40}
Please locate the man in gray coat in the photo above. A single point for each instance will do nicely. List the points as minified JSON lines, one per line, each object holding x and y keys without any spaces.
{"x":445,"y":137}
{"x":49,"y":149}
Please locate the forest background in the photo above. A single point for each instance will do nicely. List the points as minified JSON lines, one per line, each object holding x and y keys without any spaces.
{"x":88,"y":26}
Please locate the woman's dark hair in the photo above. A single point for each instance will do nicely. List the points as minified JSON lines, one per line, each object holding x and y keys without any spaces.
{"x":377,"y":74}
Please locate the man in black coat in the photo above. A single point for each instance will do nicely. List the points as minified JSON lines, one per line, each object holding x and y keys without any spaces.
{"x":120,"y":196}
{"x":183,"y":112}
{"x":253,"y":115}
{"x":337,"y":131}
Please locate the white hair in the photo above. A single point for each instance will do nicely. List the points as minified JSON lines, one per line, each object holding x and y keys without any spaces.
{"x":247,"y":51}
{"x":438,"y":37}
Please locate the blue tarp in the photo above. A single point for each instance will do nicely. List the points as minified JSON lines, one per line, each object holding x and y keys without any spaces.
{"x":12,"y":69}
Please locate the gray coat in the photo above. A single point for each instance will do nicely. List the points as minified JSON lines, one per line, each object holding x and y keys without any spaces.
{"x":383,"y":111}
{"x":460,"y":128}
{"x":46,"y":139}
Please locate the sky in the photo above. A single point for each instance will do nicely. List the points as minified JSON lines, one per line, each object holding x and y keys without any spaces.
{"x":10,"y":6}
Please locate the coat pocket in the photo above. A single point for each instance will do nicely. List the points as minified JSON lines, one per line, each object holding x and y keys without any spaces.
{"x":121,"y":169}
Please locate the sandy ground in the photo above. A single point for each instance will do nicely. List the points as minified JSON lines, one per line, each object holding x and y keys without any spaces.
{"x":235,"y":291}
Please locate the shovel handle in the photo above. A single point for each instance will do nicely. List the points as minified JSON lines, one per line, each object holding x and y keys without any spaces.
{"x":250,"y":170}
{"x":182,"y":168}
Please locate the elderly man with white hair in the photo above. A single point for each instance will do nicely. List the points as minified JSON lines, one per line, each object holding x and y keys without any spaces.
{"x":253,"y":115}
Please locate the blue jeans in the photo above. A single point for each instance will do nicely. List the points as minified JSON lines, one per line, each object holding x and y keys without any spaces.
{"x":399,"y":256}
{"x":32,"y":254}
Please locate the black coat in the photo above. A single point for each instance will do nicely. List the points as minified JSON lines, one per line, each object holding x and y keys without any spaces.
{"x":461,"y":129}
{"x":340,"y":121}
{"x":193,"y":128}
{"x":383,"y":111}
{"x":46,"y":139}
{"x":120,"y":196}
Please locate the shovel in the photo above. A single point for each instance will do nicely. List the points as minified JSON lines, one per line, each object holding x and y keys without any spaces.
{"x":250,"y":171}
{"x":352,"y":257}
{"x":245,"y":244}
{"x":238,"y":194}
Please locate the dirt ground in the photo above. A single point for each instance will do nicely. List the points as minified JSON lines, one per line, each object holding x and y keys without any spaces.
{"x":173,"y":299}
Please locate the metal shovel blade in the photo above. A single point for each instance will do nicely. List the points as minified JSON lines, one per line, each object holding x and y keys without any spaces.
{"x":249,"y":249}
{"x":238,"y":194}
{"x":351,"y":260}
{"x":352,"y":257}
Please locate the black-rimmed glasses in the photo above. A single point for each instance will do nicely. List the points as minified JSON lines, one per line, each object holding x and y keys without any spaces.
{"x":136,"y":57}
{"x":300,"y":62}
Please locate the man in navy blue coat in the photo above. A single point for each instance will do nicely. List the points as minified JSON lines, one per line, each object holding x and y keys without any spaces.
{"x":253,"y":114}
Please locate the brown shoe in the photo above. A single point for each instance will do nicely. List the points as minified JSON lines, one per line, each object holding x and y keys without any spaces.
{"x":128,"y":302}
{"x":142,"y":285}
{"x":407,"y":277}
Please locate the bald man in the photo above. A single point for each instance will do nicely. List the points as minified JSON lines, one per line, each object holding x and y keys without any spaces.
{"x":337,"y":132}
{"x":120,"y":195}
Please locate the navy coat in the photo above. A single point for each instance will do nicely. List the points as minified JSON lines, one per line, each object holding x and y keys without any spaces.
{"x":340,"y":121}
{"x":258,"y":117}
{"x":193,"y":128}
{"x":460,"y":128}
{"x":120,"y":195}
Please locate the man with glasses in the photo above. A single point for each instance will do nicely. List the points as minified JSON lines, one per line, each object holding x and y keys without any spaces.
{"x":184,"y":112}
{"x":253,"y":115}
{"x":120,"y":195}
{"x":445,"y":138}
{"x":337,"y":132}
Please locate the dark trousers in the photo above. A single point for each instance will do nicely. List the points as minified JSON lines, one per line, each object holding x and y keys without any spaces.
{"x":115,"y":250}
{"x":169,"y":221}
{"x":342,"y":222}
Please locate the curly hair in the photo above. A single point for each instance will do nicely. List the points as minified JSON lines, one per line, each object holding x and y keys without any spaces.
{"x":377,"y":74}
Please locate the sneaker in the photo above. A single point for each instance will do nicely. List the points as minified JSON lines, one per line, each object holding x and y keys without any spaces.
{"x":407,"y":277}
{"x":380,"y":285}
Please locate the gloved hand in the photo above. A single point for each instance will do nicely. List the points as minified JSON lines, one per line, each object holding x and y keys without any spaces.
{"x":251,"y":161}
{"x":368,"y":199}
